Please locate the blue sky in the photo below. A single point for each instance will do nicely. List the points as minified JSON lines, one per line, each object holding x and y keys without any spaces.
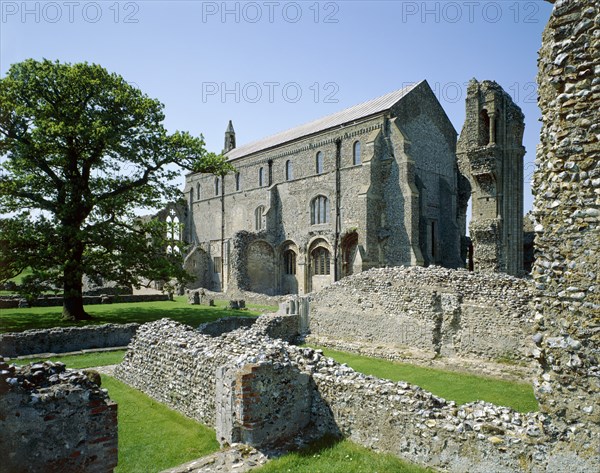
{"x":271,"y":65}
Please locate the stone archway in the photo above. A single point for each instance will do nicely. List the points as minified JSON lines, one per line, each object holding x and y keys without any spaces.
{"x":349,"y":249}
{"x":320,"y":265}
{"x":289,"y":268}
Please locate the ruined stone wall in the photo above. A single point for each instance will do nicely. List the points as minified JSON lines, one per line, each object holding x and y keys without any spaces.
{"x":55,"y":420}
{"x":13,"y":302}
{"x":567,"y":211}
{"x":438,"y":310}
{"x":65,"y":339}
{"x":199,"y":376}
{"x":490,"y":154}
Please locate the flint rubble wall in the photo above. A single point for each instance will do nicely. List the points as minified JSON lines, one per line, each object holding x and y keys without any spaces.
{"x":177,"y":365}
{"x":434,"y":309}
{"x":65,"y":339}
{"x":55,"y":420}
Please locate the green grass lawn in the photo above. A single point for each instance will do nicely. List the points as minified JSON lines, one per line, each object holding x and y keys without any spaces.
{"x":77,"y":362}
{"x":153,"y":437}
{"x":331,"y":456}
{"x":17,"y":320}
{"x":450,"y":385}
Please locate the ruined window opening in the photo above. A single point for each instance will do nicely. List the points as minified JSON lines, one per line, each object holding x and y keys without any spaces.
{"x":356,"y":153}
{"x":198,"y":192}
{"x":289,"y":175}
{"x":261,"y":177}
{"x":319,"y":163}
{"x":258,"y":218}
{"x":217,"y":264}
{"x":238,"y":181}
{"x":321,"y":262}
{"x":217,"y":185}
{"x":176,"y":229}
{"x":319,"y":210}
{"x":289,"y":262}
{"x":169,"y":250}
{"x":484,"y":131}
{"x":191,"y":195}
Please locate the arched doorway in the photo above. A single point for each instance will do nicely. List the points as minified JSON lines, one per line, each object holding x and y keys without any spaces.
{"x":320,"y":271}
{"x":289,"y":268}
{"x":349,"y":248}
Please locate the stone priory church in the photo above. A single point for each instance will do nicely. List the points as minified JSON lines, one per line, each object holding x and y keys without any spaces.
{"x":378,"y":184}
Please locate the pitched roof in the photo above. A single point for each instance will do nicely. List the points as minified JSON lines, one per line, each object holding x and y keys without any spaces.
{"x":356,"y":112}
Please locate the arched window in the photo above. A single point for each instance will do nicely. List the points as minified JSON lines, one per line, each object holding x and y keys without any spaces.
{"x":191,"y":195}
{"x":258,"y":218}
{"x":176,"y":250}
{"x":238,"y":181}
{"x":319,"y":210}
{"x":198,"y":192}
{"x":289,"y":262}
{"x":217,"y":185}
{"x":169,"y":222}
{"x":356,"y":153}
{"x":288,"y":171}
{"x":176,"y":229}
{"x":261,"y":177}
{"x":320,"y":261}
{"x":319,"y":163}
{"x":169,"y":250}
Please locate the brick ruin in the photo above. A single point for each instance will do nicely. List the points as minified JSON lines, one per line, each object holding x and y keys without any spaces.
{"x":55,"y":420}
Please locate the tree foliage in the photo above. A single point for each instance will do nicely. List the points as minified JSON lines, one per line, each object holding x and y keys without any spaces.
{"x":82,"y":151}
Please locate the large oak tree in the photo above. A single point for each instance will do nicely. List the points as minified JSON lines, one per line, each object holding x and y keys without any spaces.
{"x":82,"y":151}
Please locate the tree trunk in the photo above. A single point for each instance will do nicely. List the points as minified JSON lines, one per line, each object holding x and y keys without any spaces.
{"x":73,"y":288}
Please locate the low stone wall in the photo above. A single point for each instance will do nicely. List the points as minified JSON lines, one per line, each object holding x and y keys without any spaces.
{"x":200,"y":375}
{"x":55,"y":420}
{"x":435,"y":310}
{"x":65,"y":339}
{"x":13,"y":302}
{"x":249,"y":297}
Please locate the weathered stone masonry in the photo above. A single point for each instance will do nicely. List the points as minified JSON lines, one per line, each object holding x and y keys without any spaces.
{"x":567,"y":211}
{"x":490,"y":153}
{"x":54,"y":420}
{"x":65,"y":339}
{"x":241,"y":381}
{"x":435,"y":310}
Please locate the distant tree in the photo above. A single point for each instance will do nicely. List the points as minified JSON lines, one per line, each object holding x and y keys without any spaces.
{"x":81,"y":152}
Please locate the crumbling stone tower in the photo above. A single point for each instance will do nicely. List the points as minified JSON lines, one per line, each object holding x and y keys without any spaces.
{"x":490,"y":154}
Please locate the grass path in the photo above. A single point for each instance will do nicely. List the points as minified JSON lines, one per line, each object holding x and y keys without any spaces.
{"x":459,"y":387}
{"x":153,"y":437}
